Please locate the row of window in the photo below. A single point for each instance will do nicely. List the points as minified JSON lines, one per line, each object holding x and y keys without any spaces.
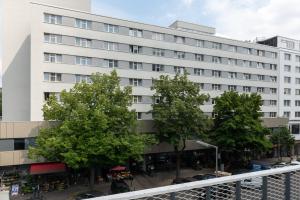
{"x":110,"y":28}
{"x":288,"y":114}
{"x":288,"y":57}
{"x":287,"y":103}
{"x":16,"y":144}
{"x":79,"y":60}
{"x":288,"y":68}
{"x":288,"y":79}
{"x":288,"y":91}
{"x":136,"y":82}
{"x":112,"y":46}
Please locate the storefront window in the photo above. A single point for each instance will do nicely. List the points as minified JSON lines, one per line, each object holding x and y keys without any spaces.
{"x":295,"y":128}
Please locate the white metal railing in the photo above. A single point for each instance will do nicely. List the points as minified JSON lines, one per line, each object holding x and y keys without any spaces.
{"x":280,"y":183}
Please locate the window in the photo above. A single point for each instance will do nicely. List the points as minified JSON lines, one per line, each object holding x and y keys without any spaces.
{"x":111,"y":63}
{"x":232,"y":87}
{"x":297,"y":69}
{"x":158,"y":52}
{"x":213,"y":101}
{"x":260,"y":53}
{"x":135,"y":49}
{"x":82,"y":78}
{"x":287,"y":56}
{"x":247,"y":76}
{"x":260,"y":89}
{"x":216,"y":59}
{"x":287,"y":91}
{"x":80,"y":60}
{"x":48,"y":94}
{"x":287,"y":68}
{"x":158,"y":68}
{"x":297,"y":92}
{"x":199,"y":43}
{"x":216,"y":87}
{"x":249,"y":51}
{"x":199,"y":57}
{"x":295,"y":128}
{"x":138,"y":115}
{"x":135,"y":82}
{"x":246,"y":89}
{"x":297,"y":103}
{"x":260,"y":65}
{"x":179,"y":70}
{"x":273,"y":55}
{"x":273,"y":67}
{"x":287,"y":103}
{"x":297,"y":114}
{"x":110,"y":46}
{"x":232,"y":75}
{"x":216,"y":73}
{"x":135,"y":65}
{"x":232,"y":61}
{"x":287,"y":79}
{"x":52,"y":38}
{"x":83,"y":42}
{"x":297,"y":58}
{"x":179,"y":54}
{"x":52,"y":57}
{"x":297,"y":80}
{"x":52,"y":77}
{"x":198,"y":72}
{"x":288,"y":44}
{"x":261,"y":77}
{"x":52,"y":19}
{"x":137,"y":99}
{"x":19,"y":144}
{"x":84,"y":24}
{"x":286,"y":114}
{"x":272,"y":114}
{"x":273,"y":90}
{"x":273,"y":78}
{"x":158,"y":36}
{"x":216,"y":45}
{"x":179,"y":39}
{"x":111,"y":28}
{"x":273,"y":102}
{"x":135,"y":32}
{"x":232,"y":48}
{"x":246,"y":63}
{"x":200,"y":85}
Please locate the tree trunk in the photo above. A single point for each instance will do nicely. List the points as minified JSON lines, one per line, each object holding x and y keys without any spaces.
{"x":178,"y":162}
{"x":92,"y":177}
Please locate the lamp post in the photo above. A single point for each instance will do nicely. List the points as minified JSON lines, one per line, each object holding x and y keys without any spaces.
{"x":211,"y":146}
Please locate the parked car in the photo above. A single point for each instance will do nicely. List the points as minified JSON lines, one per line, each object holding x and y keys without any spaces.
{"x":252,"y":183}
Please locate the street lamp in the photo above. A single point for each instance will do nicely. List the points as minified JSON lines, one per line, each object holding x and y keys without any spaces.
{"x":210,"y":146}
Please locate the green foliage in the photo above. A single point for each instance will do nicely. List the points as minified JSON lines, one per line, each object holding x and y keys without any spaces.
{"x":283,"y":138}
{"x":237,"y":125}
{"x":178,"y":116}
{"x":95,"y":125}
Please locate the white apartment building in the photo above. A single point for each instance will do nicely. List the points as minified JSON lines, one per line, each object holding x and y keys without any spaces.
{"x":289,"y":83}
{"x":49,"y":45}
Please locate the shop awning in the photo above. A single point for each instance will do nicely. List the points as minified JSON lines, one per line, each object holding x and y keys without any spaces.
{"x":47,"y":168}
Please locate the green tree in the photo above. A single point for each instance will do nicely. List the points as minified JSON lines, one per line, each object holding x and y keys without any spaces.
{"x":238,"y":125}
{"x":177,"y":115}
{"x":282,"y":139}
{"x":95,"y":126}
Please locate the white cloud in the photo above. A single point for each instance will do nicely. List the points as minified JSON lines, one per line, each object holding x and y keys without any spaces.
{"x":188,"y":3}
{"x":247,"y":19}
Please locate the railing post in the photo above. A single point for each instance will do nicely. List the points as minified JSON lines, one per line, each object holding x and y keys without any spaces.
{"x":264,"y":188}
{"x":238,"y":190}
{"x":173,"y":196}
{"x":287,"y":186}
{"x":208,"y":193}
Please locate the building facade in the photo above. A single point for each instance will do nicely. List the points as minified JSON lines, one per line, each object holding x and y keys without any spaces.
{"x":289,"y":80}
{"x":55,"y":44}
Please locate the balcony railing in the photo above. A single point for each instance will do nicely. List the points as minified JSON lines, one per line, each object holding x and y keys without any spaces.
{"x":273,"y":184}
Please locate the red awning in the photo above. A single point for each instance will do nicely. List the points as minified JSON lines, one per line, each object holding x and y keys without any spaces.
{"x":47,"y":168}
{"x":118,"y":168}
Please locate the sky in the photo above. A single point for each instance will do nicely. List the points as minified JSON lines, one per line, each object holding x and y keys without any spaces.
{"x":237,"y":19}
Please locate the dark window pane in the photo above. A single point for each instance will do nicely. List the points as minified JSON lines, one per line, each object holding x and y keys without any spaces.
{"x":19,"y":144}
